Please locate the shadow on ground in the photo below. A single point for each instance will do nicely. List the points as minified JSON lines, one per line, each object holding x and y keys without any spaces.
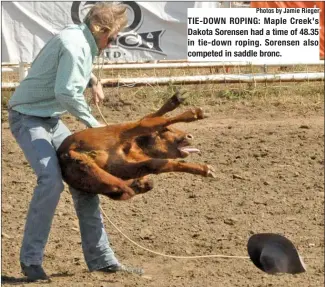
{"x":23,"y":280}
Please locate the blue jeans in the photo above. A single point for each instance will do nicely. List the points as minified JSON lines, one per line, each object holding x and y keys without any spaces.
{"x":39,"y":138}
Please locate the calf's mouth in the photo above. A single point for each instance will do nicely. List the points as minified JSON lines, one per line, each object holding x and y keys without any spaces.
{"x":185,"y":147}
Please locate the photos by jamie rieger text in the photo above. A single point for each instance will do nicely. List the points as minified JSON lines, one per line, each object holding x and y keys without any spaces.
{"x":257,"y":35}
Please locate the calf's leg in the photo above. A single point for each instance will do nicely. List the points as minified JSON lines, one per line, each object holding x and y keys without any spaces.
{"x":157,"y":166}
{"x":150,"y":125}
{"x":84,"y":174}
{"x":140,"y":185}
{"x":171,"y":104}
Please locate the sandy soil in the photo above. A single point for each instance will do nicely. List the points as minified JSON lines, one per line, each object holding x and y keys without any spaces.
{"x":270,"y":175}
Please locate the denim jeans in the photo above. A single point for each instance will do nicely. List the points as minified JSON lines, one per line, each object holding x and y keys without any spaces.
{"x":39,"y":138}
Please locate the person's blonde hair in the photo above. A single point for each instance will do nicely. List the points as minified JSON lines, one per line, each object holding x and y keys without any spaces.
{"x":106,"y":17}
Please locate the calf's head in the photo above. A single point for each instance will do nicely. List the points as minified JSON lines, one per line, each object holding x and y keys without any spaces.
{"x":167,"y":143}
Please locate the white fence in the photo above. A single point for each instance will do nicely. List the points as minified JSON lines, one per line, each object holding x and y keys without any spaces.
{"x":22,"y":70}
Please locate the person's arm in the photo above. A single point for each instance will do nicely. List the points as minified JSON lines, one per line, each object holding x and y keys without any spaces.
{"x":93,"y":81}
{"x":96,"y":89}
{"x":70,"y":85}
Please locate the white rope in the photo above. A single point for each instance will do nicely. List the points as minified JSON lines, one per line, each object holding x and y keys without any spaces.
{"x":167,"y":255}
{"x":171,"y":256}
{"x":159,"y":253}
{"x":100,"y":112}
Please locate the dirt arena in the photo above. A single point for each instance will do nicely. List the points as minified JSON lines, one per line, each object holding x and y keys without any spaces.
{"x":269,"y":159}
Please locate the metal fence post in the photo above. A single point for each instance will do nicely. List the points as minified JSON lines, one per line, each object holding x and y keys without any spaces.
{"x":22,"y":71}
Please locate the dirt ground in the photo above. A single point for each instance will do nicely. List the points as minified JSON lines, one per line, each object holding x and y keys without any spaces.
{"x":269,"y":158}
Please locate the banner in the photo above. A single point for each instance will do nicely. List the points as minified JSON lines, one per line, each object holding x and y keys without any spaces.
{"x":155,"y":31}
{"x":299,"y":4}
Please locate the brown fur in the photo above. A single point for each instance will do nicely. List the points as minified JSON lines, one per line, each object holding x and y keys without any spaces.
{"x":115,"y":160}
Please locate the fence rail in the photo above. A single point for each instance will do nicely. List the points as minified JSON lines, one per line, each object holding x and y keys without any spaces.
{"x":196,"y":65}
{"x":179,"y":64}
{"x":22,"y":69}
{"x":220,"y":79}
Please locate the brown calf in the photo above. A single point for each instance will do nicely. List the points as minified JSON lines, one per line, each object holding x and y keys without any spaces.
{"x":115,"y":160}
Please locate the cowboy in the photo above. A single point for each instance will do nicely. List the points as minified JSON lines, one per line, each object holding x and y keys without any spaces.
{"x":54,"y":85}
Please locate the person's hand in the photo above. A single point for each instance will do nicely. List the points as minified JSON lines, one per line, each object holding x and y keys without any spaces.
{"x":99,"y":125}
{"x":102,"y":125}
{"x":97,"y":92}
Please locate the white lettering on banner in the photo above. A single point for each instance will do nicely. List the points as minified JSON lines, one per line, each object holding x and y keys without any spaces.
{"x":258,"y":35}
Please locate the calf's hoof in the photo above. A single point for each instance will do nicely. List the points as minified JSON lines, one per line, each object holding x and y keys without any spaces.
{"x":141,"y":186}
{"x":178,"y":98}
{"x":201,"y":114}
{"x":198,"y":113}
{"x":210,"y":171}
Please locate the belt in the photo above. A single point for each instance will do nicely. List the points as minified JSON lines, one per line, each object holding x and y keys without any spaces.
{"x":44,"y":118}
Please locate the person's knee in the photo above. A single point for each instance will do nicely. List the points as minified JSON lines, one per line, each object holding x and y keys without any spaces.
{"x":52,"y":181}
{"x":85,"y":203}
